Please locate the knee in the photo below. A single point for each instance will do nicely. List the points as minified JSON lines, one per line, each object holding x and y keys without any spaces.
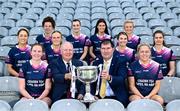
{"x":134,"y":97}
{"x":158,"y":99}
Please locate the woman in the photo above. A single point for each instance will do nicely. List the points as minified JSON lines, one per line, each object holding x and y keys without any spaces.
{"x":34,"y":82}
{"x":101,"y":33}
{"x":19,"y":54}
{"x":133,"y":40}
{"x":126,"y":54}
{"x":48,"y":26}
{"x":163,"y":55}
{"x":53,"y":51}
{"x":145,"y":76}
{"x":80,"y":41}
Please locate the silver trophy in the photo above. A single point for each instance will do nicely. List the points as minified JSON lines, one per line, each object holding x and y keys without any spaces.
{"x":87,"y":75}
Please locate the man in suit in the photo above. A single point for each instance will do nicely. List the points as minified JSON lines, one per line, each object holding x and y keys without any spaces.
{"x":111,"y":81}
{"x":64,"y":84}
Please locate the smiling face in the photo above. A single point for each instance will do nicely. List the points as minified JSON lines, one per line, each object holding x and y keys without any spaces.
{"x":56,"y":38}
{"x":123,"y":39}
{"x":144,"y":53}
{"x":76,"y":26}
{"x":48,"y":28}
{"x":128,"y":28}
{"x":36,"y":52}
{"x":67,"y":51}
{"x":106,"y":51}
{"x":22,"y":37}
{"x":101,"y":27}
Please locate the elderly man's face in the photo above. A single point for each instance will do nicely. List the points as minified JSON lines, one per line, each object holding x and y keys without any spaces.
{"x":67,"y":51}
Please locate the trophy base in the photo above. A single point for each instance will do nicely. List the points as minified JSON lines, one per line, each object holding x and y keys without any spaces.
{"x":88,"y":98}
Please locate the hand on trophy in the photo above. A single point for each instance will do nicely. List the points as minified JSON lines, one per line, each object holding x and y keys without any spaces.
{"x":68,"y":76}
{"x":105,"y":75}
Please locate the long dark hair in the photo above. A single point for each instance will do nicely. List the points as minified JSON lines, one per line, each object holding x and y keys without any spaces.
{"x":99,"y":21}
{"x":160,"y":32}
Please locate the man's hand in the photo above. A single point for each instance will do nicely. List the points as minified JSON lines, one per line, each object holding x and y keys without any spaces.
{"x":105,"y":75}
{"x":67,"y":76}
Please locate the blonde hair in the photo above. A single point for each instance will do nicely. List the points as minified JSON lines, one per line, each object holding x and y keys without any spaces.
{"x":143,"y":44}
{"x":128,"y":21}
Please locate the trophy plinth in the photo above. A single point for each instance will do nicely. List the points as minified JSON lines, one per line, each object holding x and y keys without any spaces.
{"x":87,"y":75}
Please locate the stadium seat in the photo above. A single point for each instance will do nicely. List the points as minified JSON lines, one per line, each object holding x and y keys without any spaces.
{"x":140,"y":23}
{"x":168,"y":16}
{"x":59,"y":1}
{"x":35,"y":10}
{"x":13,"y":31}
{"x":84,"y":4}
{"x":86,"y":31}
{"x":67,"y":10}
{"x":13,"y":16}
{"x":116,"y":31}
{"x":32,"y":40}
{"x":116,"y":23}
{"x":132,"y":16}
{"x":9,"y":91}
{"x":176,"y":11}
{"x":29,"y":1}
{"x":4,"y":10}
{"x":173,"y":5}
{"x":3,"y":32}
{"x":44,"y":1}
{"x":156,"y":23}
{"x":25,"y":23}
{"x":69,"y":5}
{"x":168,"y":1}
{"x":144,"y":105}
{"x":144,"y":10}
{"x":149,"y":16}
{"x":114,"y":10}
{"x":147,"y":39}
{"x":172,"y":40}
{"x":82,"y":10}
{"x":98,"y":4}
{"x":176,"y":50}
{"x":116,"y":15}
{"x":106,"y":105}
{"x":85,"y":23}
{"x":127,"y":4}
{"x":63,"y":23}
{"x":9,"y":41}
{"x":178,"y":68}
{"x":30,"y":105}
{"x":38,"y":5}
{"x":85,"y":16}
{"x":130,"y":10}
{"x":152,"y":1}
{"x":4,"y":50}
{"x":169,"y":89}
{"x":38,"y":23}
{"x":142,"y":4}
{"x":138,"y":1}
{"x":24,"y":5}
{"x":68,"y":105}
{"x":162,"y":10}
{"x":1,"y":16}
{"x":9,"y":5}
{"x":20,"y":11}
{"x":51,"y":10}
{"x":173,"y":105}
{"x":62,"y":16}
{"x":176,"y":32}
{"x":112,"y":4}
{"x":143,"y":31}
{"x":96,"y":16}
{"x":30,"y":16}
{"x":4,"y":106}
{"x":173,"y":23}
{"x":54,"y":5}
{"x":166,"y":30}
{"x":36,"y":31}
{"x":46,"y":14}
{"x":98,"y":10}
{"x":7,"y":23}
{"x":64,"y":30}
{"x":157,"y":4}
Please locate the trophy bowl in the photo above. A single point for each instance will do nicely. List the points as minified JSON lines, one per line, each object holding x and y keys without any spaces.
{"x":87,"y":75}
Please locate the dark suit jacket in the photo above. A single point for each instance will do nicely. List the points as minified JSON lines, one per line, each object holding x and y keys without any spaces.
{"x":118,"y":84}
{"x":60,"y":85}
